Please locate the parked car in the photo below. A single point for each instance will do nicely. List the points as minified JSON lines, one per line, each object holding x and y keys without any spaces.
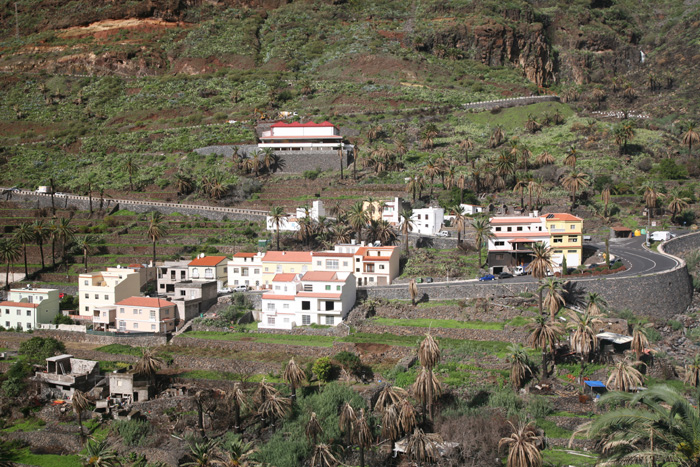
{"x":520,"y":270}
{"x":428,"y":280}
{"x":240,"y":288}
{"x":487,"y":277}
{"x":444,"y":233}
{"x":58,"y":193}
{"x":505,"y":275}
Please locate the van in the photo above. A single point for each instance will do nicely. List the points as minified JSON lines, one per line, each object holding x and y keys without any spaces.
{"x":43,"y":189}
{"x":661,"y":236}
{"x":519,"y":270}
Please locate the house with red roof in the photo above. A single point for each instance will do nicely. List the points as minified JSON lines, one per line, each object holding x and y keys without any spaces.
{"x":145,"y":314}
{"x":284,"y":262}
{"x":298,"y":136}
{"x":209,"y":268}
{"x":315,"y":297}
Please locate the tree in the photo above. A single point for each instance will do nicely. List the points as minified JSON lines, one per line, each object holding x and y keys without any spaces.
{"x":407,"y":415}
{"x":234,"y":453}
{"x":605,"y":197}
{"x":539,"y":266}
{"x":236,"y":399}
{"x":98,"y":454}
{"x":520,"y":367}
{"x":524,"y":446}
{"x":466,"y":145}
{"x":416,"y":184}
{"x":430,"y":132}
{"x":575,"y":181}
{"x":24,"y":235}
{"x":531,"y":124}
{"x":426,"y":389}
{"x":131,"y":168}
{"x":85,"y":244}
{"x":313,"y":428}
{"x":323,"y":456}
{"x":39,"y":230}
{"x":657,"y":426}
{"x":429,"y":352}
{"x":340,"y":158}
{"x":690,"y":137}
{"x":275,"y":406}
{"x":37,"y":349}
{"x":183,"y":183}
{"x":545,"y":159}
{"x":571,"y":157}
{"x":582,"y":339}
{"x":277,"y":216}
{"x":692,"y":372}
{"x":624,"y":132}
{"x":482,"y":229}
{"x":640,"y":339}
{"x":544,"y":335}
{"x":388,"y":396}
{"x":362,"y":435}
{"x":148,"y":365}
{"x":520,"y":185}
{"x":65,"y":233}
{"x":346,"y":421}
{"x":202,"y":454}
{"x":156,"y":231}
{"x":497,"y":137}
{"x":80,"y":404}
{"x":676,"y":202}
{"x":51,"y":234}
{"x":595,"y":304}
{"x":413,"y":291}
{"x":423,"y":447}
{"x":294,"y":376}
{"x":554,"y":299}
{"x":9,"y":253}
{"x":625,"y":377}
{"x":358,"y":219}
{"x":406,"y":226}
{"x":391,"y":425}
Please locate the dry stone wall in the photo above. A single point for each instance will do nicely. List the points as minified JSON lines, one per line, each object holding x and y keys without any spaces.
{"x":509,"y":334}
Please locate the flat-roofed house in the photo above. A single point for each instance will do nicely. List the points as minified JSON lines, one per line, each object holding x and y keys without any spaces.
{"x":170,"y":273}
{"x":103,"y":288}
{"x":297,"y":136}
{"x":26,"y":309}
{"x":566,"y":238}
{"x":66,"y":374}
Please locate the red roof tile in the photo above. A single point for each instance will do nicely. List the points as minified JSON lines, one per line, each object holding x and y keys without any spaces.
{"x":320,"y":276}
{"x":287,"y":257}
{"x":241,"y":254}
{"x":271,"y":296}
{"x":287,"y":277}
{"x":318,"y":295}
{"x":146,"y":302}
{"x":561,"y":216}
{"x":20,"y":304}
{"x":207,"y":261}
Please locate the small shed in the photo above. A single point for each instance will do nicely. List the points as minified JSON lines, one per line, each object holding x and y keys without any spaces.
{"x":595,"y":387}
{"x":621,"y":232}
{"x":613,"y":342}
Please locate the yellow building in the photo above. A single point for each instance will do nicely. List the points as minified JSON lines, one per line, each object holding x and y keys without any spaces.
{"x":284,"y":262}
{"x":565,"y":238}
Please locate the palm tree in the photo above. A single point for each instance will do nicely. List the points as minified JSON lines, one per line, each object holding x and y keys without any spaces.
{"x":388,"y":396}
{"x":358,"y":218}
{"x":497,"y":137}
{"x":534,"y":186}
{"x":651,"y":195}
{"x":690,"y":137}
{"x":545,"y":159}
{"x":582,"y":339}
{"x":277,"y":215}
{"x":413,"y":291}
{"x":531,"y":124}
{"x":346,"y":421}
{"x":51,"y":234}
{"x":466,"y":145}
{"x":554,"y":299}
{"x":85,"y":244}
{"x":236,"y":399}
{"x":274,"y":406}
{"x":524,"y":446}
{"x":460,"y":221}
{"x":657,"y":426}
{"x":692,"y":372}
{"x":430,"y":132}
{"x":9,"y":252}
{"x":148,"y":365}
{"x":323,"y":456}
{"x":595,"y":304}
{"x":520,"y":185}
{"x":313,"y":428}
{"x":539,"y":266}
{"x":676,"y":202}
{"x":294,"y":376}
{"x":640,"y":339}
{"x":202,"y":454}
{"x":571,"y":157}
{"x":406,"y":226}
{"x":65,"y":234}
{"x":416,"y":184}
{"x":23,"y":236}
{"x":131,"y":168}
{"x":605,"y":197}
{"x":235,"y":454}
{"x":80,"y":404}
{"x":432,"y":170}
{"x":520,"y":367}
{"x":426,"y":389}
{"x":482,"y":229}
{"x":625,"y":377}
{"x":575,"y":181}
{"x":423,"y":447}
{"x":39,"y":230}
{"x":429,"y":352}
{"x":407,"y":416}
{"x":183,"y":183}
{"x":98,"y":454}
{"x":544,"y":335}
{"x":156,"y":231}
{"x":362,"y":435}
{"x":391,"y":425}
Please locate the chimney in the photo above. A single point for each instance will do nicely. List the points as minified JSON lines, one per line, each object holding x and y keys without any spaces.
{"x":284,"y":253}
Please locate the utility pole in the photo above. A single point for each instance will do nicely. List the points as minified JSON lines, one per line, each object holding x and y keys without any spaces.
{"x":16,"y":22}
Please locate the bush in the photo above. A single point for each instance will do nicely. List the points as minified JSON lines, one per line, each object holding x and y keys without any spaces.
{"x":539,"y":407}
{"x":323,"y":368}
{"x":507,"y":400}
{"x":38,"y":349}
{"x":133,"y":432}
{"x":675,"y":325}
{"x":62,"y":319}
{"x":669,"y":170}
{"x":312,"y":174}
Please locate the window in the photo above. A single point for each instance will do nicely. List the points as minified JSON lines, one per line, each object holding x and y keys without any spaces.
{"x":318,"y":263}
{"x":573,"y":239}
{"x":499,"y":256}
{"x":136,"y":325}
{"x":183,"y":275}
{"x":19,"y":312}
{"x":236,"y":270}
{"x":257,"y":271}
{"x":308,"y":288}
{"x":195,"y":273}
{"x":87,"y":296}
{"x":106,"y":297}
{"x":357,"y":260}
{"x":572,"y":227}
{"x":357,"y":269}
{"x":329,"y":320}
{"x":558,"y":240}
{"x":85,"y":282}
{"x":554,"y":226}
{"x":279,"y":269}
{"x":331,"y":264}
{"x":153,"y":314}
{"x":330,"y":306}
{"x":499,"y":243}
{"x":7,"y":324}
{"x":292,"y":270}
{"x":509,"y":229}
{"x":97,"y":296}
{"x":558,"y":252}
{"x":328,"y":287}
{"x":381,"y":266}
{"x":209,"y":273}
{"x":286,"y":320}
{"x":270,"y":320}
{"x":371,"y":279}
{"x":498,"y":229}
{"x":418,"y":216}
{"x":337,"y":288}
{"x":304,"y":268}
{"x":121,"y":311}
{"x":345,"y":264}
{"x":87,"y":308}
{"x":153,"y":327}
{"x":306,"y":319}
{"x":572,"y":251}
{"x":270,"y":306}
{"x":285,"y":306}
{"x":29,"y":312}
{"x":277,"y":287}
{"x":267,"y":269}
{"x":29,"y":325}
{"x":305,"y":305}
{"x":183,"y":293}
{"x":519,"y":229}
{"x":162,"y":286}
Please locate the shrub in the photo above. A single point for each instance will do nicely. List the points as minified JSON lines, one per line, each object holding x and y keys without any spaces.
{"x":539,"y":407}
{"x":133,"y":432}
{"x":349,"y":361}
{"x":312,"y":174}
{"x":62,"y":319}
{"x":675,"y":325}
{"x":322,"y":369}
{"x":506,"y":399}
{"x":38,"y":349}
{"x":668,"y":169}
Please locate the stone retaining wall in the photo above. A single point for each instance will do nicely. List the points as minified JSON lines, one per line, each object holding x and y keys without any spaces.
{"x":681,"y":246}
{"x":509,"y":334}
{"x":512,"y":102}
{"x":340,"y":330}
{"x":260,"y":347}
{"x":67,"y":336}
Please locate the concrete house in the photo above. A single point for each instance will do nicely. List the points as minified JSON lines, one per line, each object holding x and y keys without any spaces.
{"x":66,"y":374}
{"x":97,"y":289}
{"x":297,"y":136}
{"x":566,"y":238}
{"x":316,"y":297}
{"x":25,"y":309}
{"x":145,"y":314}
{"x":209,"y":268}
{"x":245,"y":269}
{"x":284,"y":262}
{"x":291,"y":222}
{"x":170,"y":273}
{"x":376,"y":265}
{"x":428,"y":221}
{"x":193,"y":298}
{"x":129,"y":386}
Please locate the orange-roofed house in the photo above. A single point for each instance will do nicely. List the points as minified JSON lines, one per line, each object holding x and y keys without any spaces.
{"x":376,"y":265}
{"x":298,"y":136}
{"x":566,"y":238}
{"x":245,"y":269}
{"x":209,"y":268}
{"x":284,"y":262}
{"x":316,"y":297}
{"x":27,"y":309}
{"x":145,"y":314}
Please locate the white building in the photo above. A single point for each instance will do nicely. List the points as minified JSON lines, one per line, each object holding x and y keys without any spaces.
{"x":245,"y":269}
{"x":471,"y":209}
{"x":209,"y":268}
{"x":317,"y":297}
{"x":291,"y":222}
{"x":512,"y":241}
{"x":25,"y":309}
{"x":297,"y":136}
{"x":389,"y":211}
{"x":98,"y":289}
{"x":170,"y":273}
{"x":428,"y":221}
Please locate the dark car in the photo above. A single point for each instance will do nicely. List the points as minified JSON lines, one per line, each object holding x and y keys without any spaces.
{"x":487,"y":277}
{"x":505,"y":275}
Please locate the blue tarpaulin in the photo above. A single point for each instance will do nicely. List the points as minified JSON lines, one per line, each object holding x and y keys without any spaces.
{"x":595,"y":384}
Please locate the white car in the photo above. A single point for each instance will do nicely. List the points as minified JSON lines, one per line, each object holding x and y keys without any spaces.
{"x":240,"y":288}
{"x":443,"y":233}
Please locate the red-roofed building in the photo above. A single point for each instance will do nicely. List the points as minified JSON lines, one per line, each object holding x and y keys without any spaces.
{"x":209,"y":268}
{"x":284,"y":262}
{"x":140,"y":314}
{"x":27,"y":309}
{"x":316,"y":297}
{"x":245,"y":269}
{"x":301,"y":137}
